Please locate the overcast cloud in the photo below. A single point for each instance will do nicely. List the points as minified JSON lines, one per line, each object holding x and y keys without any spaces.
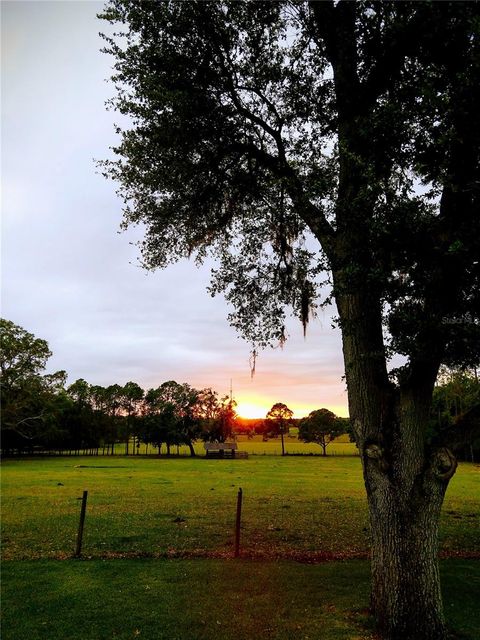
{"x":69,"y":277}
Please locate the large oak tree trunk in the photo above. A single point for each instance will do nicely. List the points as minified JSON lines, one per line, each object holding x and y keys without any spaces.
{"x":404,"y":516}
{"x":405,"y":480}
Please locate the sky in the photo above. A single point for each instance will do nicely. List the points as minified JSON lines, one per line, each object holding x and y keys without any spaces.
{"x":71,"y":277}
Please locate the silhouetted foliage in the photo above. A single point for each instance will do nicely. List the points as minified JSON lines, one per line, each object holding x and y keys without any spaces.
{"x":255,"y":126}
{"x":278,"y":421}
{"x":217,"y":416}
{"x":29,"y":403}
{"x":322,"y":427}
{"x":455,"y":413}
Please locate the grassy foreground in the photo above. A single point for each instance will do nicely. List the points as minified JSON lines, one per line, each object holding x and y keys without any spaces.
{"x":305,"y":508}
{"x":292,"y":507}
{"x":208,"y":600}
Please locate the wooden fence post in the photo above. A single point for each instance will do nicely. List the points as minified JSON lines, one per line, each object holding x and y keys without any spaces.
{"x":81,"y":525}
{"x":238,"y":523}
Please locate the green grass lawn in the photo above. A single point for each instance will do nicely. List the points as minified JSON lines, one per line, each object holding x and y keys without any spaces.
{"x":292,"y":506}
{"x":180,"y":513}
{"x":208,"y":600}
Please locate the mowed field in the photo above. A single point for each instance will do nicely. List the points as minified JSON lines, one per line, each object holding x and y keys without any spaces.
{"x":255,"y":445}
{"x":158,"y":545}
{"x":292,"y":506}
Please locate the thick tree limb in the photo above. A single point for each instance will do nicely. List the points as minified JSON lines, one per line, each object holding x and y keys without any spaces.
{"x":310,"y":214}
{"x":336,"y":27}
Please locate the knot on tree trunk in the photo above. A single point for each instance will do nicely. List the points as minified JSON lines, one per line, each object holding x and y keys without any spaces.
{"x":376,"y":452}
{"x":444,"y":463}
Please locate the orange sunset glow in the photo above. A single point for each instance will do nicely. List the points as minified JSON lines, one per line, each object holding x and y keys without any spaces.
{"x":258,"y":408}
{"x":251,"y":409}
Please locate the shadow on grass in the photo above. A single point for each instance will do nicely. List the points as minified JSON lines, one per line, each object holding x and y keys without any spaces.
{"x":203,"y":599}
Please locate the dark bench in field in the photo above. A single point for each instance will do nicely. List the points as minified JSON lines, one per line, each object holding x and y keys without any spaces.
{"x":223,"y":450}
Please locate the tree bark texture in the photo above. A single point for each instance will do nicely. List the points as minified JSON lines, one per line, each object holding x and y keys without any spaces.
{"x":405,"y":597}
{"x":404,"y":480}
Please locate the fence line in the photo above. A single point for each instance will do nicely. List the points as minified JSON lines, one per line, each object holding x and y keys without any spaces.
{"x":56,"y":453}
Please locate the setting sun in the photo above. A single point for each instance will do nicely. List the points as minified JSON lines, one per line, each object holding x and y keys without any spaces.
{"x":251,"y":409}
{"x":258,"y":408}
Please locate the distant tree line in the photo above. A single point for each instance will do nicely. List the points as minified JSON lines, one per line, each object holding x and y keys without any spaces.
{"x":41,"y":413}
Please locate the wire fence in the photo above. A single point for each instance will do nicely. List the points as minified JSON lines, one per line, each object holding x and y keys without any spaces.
{"x":253,"y":447}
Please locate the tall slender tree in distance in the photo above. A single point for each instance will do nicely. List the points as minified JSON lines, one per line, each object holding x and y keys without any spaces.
{"x":131,"y":397}
{"x":280,"y":418}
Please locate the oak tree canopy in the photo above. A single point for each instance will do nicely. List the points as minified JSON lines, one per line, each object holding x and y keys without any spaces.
{"x":324,"y":151}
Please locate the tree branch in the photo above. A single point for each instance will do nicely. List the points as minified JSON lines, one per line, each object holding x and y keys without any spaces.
{"x":313,"y":217}
{"x":243,"y":110}
{"x":394,"y":47}
{"x":336,"y":26}
{"x":268,"y":102}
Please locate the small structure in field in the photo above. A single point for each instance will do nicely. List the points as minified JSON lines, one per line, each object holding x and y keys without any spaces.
{"x":223,"y":450}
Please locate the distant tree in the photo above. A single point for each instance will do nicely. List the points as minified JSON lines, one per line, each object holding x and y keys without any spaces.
{"x":346,"y":427}
{"x":320,"y":426}
{"x":22,"y":359}
{"x":226,"y":419}
{"x":278,"y":421}
{"x":153,"y":430}
{"x":79,"y":418}
{"x":455,"y":414}
{"x":56,"y":430}
{"x":165,"y":426}
{"x":98,"y":398}
{"x":465,"y":432}
{"x":181,"y":400}
{"x":112,"y":407}
{"x":79,"y":391}
{"x":27,"y":394}
{"x":206,"y":409}
{"x":170,"y":415}
{"x":456,"y":391}
{"x":249,"y":426}
{"x":217,"y":416}
{"x":131,"y":398}
{"x":113,"y":399}
{"x":22,"y":355}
